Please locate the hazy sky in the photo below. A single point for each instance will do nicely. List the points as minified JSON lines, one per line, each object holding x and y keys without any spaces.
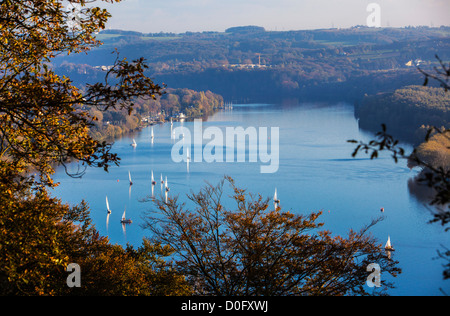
{"x":179,"y":16}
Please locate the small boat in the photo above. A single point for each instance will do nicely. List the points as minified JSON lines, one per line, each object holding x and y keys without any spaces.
{"x":129,"y":178}
{"x":167,"y":186}
{"x":107,"y":206}
{"x":382,"y":210}
{"x":276,"y":201}
{"x":134,"y":144}
{"x":153,"y":134}
{"x":124,"y":220}
{"x":153,"y":179}
{"x":388,"y":246}
{"x":167,"y":191}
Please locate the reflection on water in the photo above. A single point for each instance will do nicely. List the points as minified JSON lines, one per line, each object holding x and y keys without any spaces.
{"x":422,"y":192}
{"x":316,"y":172}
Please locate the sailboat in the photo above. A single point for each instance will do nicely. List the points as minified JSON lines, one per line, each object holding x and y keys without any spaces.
{"x":167,"y":186}
{"x":276,"y":201}
{"x":167,"y":190}
{"x":129,"y":178}
{"x":109,"y":213}
{"x":134,"y":144}
{"x":124,"y":220}
{"x":153,"y":135}
{"x":389,"y":246}
{"x":153,"y":185}
{"x":107,"y":206}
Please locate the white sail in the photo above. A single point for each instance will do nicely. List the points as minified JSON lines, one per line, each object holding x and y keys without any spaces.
{"x":129,"y":177}
{"x":166,"y":183}
{"x":134,"y":144}
{"x":276,"y":201}
{"x":124,"y":219}
{"x":153,"y":178}
{"x":107,"y":204}
{"x":389,"y":244}
{"x":153,"y":134}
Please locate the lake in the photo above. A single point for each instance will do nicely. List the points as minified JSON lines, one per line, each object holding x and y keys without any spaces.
{"x":316,"y":172}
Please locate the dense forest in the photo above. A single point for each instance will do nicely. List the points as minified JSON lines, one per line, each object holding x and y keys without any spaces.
{"x":174,"y":102}
{"x":408,"y":112}
{"x":248,"y":64}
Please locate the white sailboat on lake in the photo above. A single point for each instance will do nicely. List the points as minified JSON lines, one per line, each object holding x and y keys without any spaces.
{"x":276,"y":201}
{"x":167,"y":189}
{"x":153,"y":185}
{"x":124,"y":219}
{"x":109,"y":214}
{"x":389,"y":246}
{"x":167,"y":186}
{"x":153,"y":180}
{"x":107,"y":206}
{"x":129,"y":178}
{"x":134,"y":144}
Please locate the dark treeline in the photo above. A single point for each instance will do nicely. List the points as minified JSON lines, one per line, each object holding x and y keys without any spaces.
{"x":408,"y":112}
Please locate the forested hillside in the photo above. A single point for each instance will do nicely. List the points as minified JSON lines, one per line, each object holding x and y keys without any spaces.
{"x":408,"y":112}
{"x":191,"y":104}
{"x":246,"y":64}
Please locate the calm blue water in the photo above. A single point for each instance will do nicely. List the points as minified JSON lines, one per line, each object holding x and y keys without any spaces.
{"x":316,"y":173}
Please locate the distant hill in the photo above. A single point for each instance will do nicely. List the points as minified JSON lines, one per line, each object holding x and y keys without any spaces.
{"x":245,"y":29}
{"x":248,"y":64}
